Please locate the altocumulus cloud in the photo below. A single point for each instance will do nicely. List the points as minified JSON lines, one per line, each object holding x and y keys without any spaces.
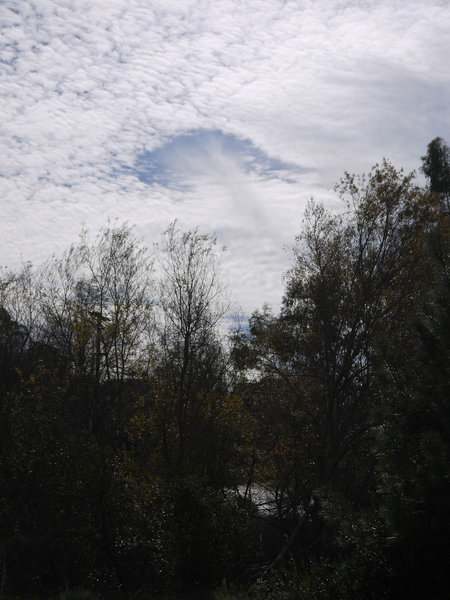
{"x":226,"y":115}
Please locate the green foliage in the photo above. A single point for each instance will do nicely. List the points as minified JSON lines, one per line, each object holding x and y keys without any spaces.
{"x":414,"y":432}
{"x":77,"y":594}
{"x":226,"y":592}
{"x":359,"y":282}
{"x":117,"y":426}
{"x":312,"y":367}
{"x":209,"y":535}
{"x":436,"y":168}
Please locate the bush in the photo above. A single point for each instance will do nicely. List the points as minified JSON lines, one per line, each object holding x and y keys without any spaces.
{"x":78,"y":593}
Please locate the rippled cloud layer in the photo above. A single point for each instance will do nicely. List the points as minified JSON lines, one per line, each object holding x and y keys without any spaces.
{"x":226,"y":115}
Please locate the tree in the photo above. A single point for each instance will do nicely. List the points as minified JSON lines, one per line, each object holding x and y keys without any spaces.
{"x":351,"y":278}
{"x":97,"y":304}
{"x":85,"y":350}
{"x":191,"y":370}
{"x":436,"y":168}
{"x":117,"y":426}
{"x":312,"y":369}
{"x":413,"y":431}
{"x":186,"y":433}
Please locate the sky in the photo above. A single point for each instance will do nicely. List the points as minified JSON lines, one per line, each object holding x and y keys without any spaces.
{"x":227,"y":115}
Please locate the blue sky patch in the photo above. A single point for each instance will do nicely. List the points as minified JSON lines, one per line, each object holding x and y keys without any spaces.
{"x":202,"y":152}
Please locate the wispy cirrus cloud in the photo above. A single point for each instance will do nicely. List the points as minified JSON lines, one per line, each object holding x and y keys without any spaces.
{"x":227,"y":115}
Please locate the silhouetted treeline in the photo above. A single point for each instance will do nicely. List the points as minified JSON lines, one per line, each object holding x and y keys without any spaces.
{"x":144,"y":453}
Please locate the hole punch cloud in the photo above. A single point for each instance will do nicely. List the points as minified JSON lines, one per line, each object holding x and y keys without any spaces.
{"x":206,"y":153}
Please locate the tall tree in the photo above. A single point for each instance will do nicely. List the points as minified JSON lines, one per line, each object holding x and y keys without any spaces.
{"x":413,"y":431}
{"x":192,"y":363}
{"x":436,"y":168}
{"x":187,"y":432}
{"x":85,"y":344}
{"x":358,"y":281}
{"x":97,"y":304}
{"x":355,"y":277}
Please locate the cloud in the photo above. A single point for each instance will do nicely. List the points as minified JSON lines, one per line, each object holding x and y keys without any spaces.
{"x":228,"y":115}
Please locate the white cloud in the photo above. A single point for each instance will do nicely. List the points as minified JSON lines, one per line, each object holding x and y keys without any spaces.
{"x":87,"y":87}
